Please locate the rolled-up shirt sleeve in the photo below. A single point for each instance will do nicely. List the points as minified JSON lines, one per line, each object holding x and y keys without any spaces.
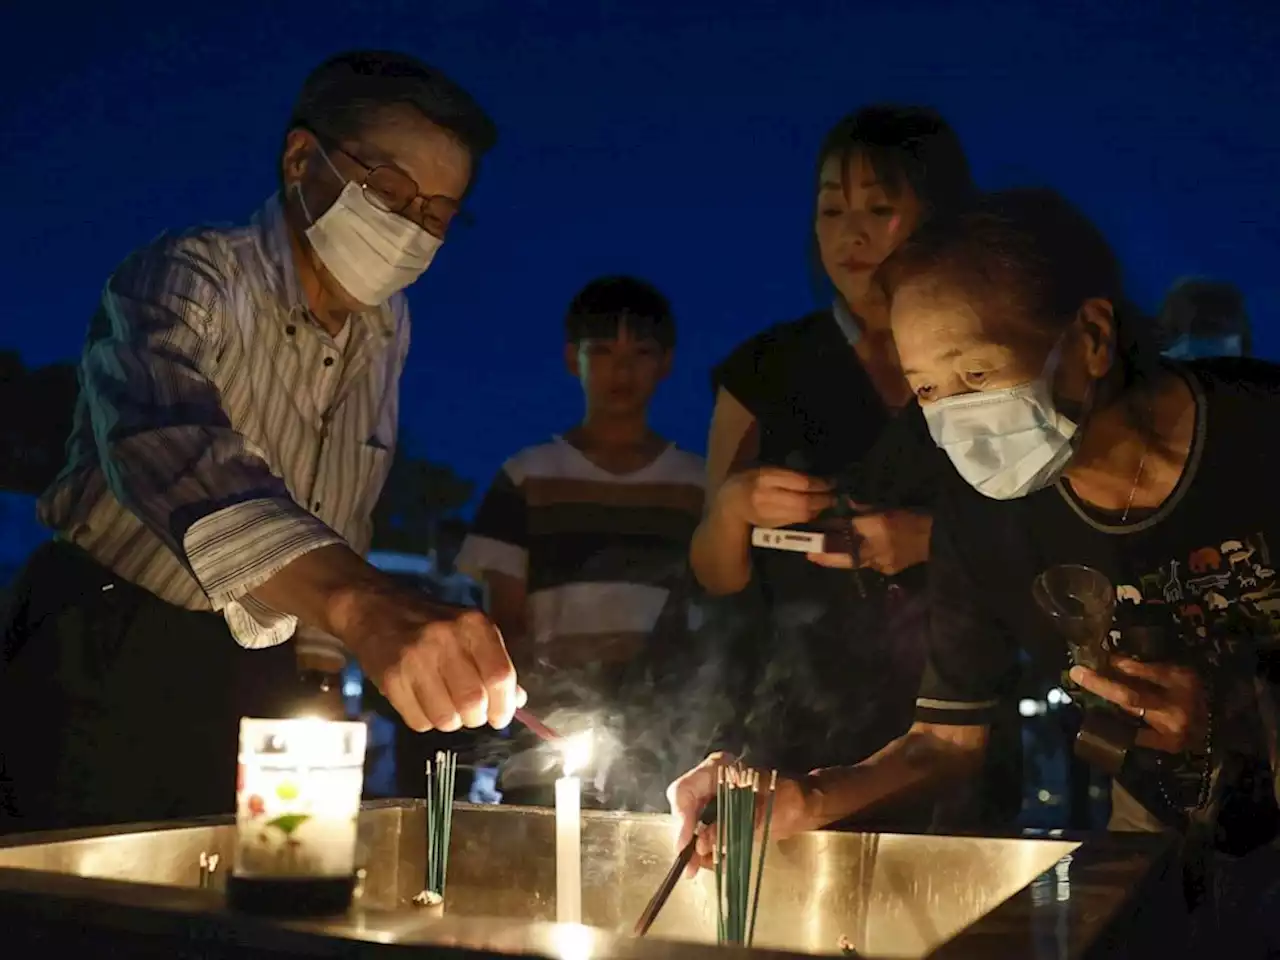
{"x":167,"y":447}
{"x":972,"y":653}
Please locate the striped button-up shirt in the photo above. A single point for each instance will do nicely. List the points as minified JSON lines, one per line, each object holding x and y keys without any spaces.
{"x":212,"y":445}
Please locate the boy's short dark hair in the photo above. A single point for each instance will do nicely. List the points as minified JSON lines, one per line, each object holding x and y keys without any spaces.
{"x":346,"y":93}
{"x":606,"y":303}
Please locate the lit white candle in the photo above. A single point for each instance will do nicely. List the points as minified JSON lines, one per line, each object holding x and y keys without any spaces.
{"x":577,"y":754}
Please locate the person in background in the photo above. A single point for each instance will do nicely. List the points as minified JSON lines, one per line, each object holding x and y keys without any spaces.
{"x":837,"y":652}
{"x":1072,"y":442}
{"x":580,"y":539}
{"x":445,"y":580}
{"x":1205,"y":318}
{"x":237,"y":415}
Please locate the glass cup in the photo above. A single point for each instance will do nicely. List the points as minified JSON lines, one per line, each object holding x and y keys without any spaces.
{"x":298,"y":793}
{"x":1081,"y":602}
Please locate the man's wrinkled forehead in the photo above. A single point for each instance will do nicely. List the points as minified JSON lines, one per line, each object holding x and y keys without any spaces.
{"x":401,"y":136}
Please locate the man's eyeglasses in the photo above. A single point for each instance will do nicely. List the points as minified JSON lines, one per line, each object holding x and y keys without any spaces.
{"x":389,"y":188}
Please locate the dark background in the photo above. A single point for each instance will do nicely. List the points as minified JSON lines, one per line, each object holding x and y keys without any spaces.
{"x":674,"y":140}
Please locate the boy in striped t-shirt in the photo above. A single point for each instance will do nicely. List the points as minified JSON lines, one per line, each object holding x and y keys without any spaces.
{"x":580,"y":539}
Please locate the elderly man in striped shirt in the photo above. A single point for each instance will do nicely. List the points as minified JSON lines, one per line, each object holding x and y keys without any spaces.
{"x":239,"y":398}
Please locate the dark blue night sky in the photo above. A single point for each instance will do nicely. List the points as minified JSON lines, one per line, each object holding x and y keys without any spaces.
{"x":670,"y":139}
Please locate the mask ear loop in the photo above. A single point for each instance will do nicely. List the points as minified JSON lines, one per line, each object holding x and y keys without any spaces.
{"x":1089,"y":402}
{"x":297,"y":185}
{"x":1049,"y":376}
{"x":1117,"y":367}
{"x":329,"y":161}
{"x":1052,"y":363}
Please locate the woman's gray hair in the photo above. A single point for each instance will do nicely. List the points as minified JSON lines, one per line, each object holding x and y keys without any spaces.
{"x":1027,"y":254}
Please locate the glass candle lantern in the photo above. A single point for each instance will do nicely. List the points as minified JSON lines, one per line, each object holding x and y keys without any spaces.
{"x":298,"y":793}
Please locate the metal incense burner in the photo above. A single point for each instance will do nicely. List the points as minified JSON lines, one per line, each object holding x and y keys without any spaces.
{"x":157,"y":890}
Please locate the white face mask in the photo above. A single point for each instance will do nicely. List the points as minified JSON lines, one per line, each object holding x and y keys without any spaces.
{"x":371,"y":252}
{"x":1006,"y":443}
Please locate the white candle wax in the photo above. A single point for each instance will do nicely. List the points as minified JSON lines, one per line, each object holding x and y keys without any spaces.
{"x":569,"y":850}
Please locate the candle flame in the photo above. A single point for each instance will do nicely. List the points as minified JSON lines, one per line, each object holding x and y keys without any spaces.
{"x":309,"y":735}
{"x":573,"y":941}
{"x":576,"y":752}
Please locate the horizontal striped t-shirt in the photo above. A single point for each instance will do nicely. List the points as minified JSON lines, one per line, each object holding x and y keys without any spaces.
{"x":598,"y":551}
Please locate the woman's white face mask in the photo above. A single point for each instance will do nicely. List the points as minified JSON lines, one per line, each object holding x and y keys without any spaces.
{"x":1007,"y":443}
{"x":371,"y":252}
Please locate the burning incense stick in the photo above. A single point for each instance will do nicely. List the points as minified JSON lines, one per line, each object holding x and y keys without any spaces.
{"x":440,"y":780}
{"x":536,"y":726}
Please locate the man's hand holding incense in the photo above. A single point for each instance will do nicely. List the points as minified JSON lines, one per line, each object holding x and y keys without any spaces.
{"x":441,"y":667}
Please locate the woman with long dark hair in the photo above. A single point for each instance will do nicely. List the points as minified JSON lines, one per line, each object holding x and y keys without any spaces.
{"x":835,"y":657}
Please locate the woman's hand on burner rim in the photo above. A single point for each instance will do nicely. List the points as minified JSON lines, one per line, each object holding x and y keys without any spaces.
{"x":1168,"y":698}
{"x":887,"y":541}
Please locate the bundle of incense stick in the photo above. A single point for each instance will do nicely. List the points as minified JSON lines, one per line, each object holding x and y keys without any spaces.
{"x":737,"y":899}
{"x":440,"y":780}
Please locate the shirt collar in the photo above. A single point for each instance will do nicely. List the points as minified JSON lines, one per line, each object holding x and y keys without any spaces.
{"x":847,"y":322}
{"x":274,"y":236}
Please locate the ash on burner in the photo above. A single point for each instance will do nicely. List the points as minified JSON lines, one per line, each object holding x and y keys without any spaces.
{"x":428,"y":898}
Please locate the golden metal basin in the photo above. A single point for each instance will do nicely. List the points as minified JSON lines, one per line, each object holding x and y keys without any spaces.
{"x":888,"y":895}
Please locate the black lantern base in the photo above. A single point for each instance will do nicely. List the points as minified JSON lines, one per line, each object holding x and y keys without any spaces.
{"x":291,"y":896}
